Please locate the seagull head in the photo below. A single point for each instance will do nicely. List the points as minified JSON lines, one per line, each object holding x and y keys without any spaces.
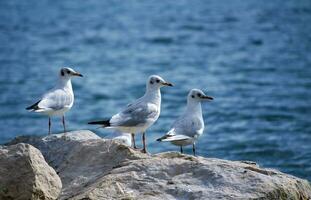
{"x":68,"y":72}
{"x":156,"y":82}
{"x":198,"y":96}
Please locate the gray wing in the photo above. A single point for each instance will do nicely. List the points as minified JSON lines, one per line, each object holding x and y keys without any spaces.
{"x":136,"y":114}
{"x":56,"y":99}
{"x":188,"y":126}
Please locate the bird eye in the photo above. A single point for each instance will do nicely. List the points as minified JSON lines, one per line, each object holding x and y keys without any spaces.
{"x":199,"y":95}
{"x":192,"y":96}
{"x":151,"y":82}
{"x":158,"y":81}
{"x":68,"y":72}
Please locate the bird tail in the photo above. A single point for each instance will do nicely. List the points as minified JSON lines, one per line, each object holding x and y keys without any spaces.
{"x":104,"y":123}
{"x":167,"y":135}
{"x":33,"y":107}
{"x":170,"y":138}
{"x":162,"y":138}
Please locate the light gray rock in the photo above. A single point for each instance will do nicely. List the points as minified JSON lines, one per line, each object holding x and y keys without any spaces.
{"x":104,"y":169}
{"x":56,"y":146}
{"x":79,"y":157}
{"x":24,"y":174}
{"x":175,"y":176}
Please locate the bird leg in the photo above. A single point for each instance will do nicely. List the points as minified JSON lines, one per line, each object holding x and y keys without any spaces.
{"x":133,"y":141}
{"x":181,"y":151}
{"x":193,"y":149}
{"x":144,"y":150}
{"x":63,"y":120}
{"x":49,"y":125}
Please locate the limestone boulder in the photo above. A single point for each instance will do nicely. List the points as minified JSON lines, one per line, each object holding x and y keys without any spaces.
{"x":24,"y":174}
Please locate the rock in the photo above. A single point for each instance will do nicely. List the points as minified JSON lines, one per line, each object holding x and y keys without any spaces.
{"x":54,"y":147}
{"x":79,"y":157}
{"x":176,"y":176}
{"x":104,"y":169}
{"x":24,"y":174}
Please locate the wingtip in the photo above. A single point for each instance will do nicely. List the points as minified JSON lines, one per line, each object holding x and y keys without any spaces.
{"x":161,"y":138}
{"x":104,"y":123}
{"x":29,"y":109}
{"x":34,"y":106}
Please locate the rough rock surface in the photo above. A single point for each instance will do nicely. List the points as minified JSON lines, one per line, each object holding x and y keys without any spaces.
{"x":94,"y":168}
{"x":79,"y":157}
{"x":24,"y":174}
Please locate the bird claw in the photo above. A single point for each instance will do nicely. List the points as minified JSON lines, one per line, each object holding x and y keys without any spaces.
{"x":144,"y":151}
{"x":64,"y":137}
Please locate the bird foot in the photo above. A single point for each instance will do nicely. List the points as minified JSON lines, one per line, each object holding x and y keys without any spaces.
{"x":144,"y":151}
{"x":137,"y":149}
{"x":64,"y":137}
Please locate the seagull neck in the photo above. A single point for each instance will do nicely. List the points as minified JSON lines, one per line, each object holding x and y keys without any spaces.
{"x":65,"y":83}
{"x":194,"y":107}
{"x":153,"y":95}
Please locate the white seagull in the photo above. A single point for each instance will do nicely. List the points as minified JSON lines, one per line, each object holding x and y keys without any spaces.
{"x":58,"y":100}
{"x":138,"y":116}
{"x":124,"y":138}
{"x":189,"y":126}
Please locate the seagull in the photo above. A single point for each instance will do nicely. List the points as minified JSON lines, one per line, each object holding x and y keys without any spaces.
{"x":124,"y":138}
{"x":189,"y":126}
{"x":58,"y":100}
{"x":140,"y":115}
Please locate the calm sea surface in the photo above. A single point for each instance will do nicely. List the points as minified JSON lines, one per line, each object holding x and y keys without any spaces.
{"x":253,"y":57}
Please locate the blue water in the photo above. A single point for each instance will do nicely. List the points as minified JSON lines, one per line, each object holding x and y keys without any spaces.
{"x":253,"y":57}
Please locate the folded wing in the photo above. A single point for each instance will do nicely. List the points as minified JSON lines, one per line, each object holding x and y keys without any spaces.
{"x":53,"y":100}
{"x":184,"y":128}
{"x":135,"y":114}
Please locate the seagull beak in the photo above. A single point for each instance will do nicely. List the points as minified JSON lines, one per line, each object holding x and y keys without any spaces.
{"x":167,"y":84}
{"x":207,"y":97}
{"x":77,"y":74}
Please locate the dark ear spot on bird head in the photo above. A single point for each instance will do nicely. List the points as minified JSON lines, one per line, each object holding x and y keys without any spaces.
{"x":62,"y":73}
{"x":151,"y":82}
{"x":192,"y":96}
